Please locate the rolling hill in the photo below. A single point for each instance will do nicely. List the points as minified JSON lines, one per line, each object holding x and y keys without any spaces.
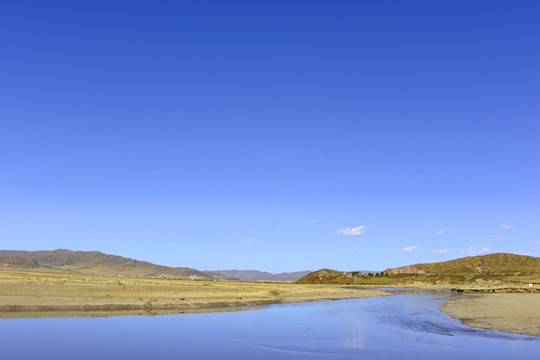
{"x":95,"y":262}
{"x":493,"y":267}
{"x":501,"y":263}
{"x":254,"y":275}
{"x":326,"y":276}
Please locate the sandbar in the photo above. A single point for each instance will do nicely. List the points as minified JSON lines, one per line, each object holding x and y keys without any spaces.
{"x":508,"y":312}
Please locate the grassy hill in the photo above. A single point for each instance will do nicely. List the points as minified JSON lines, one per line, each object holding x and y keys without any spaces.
{"x":95,"y":262}
{"x":326,"y":276}
{"x":500,"y":263}
{"x":508,"y":268}
{"x":17,"y":262}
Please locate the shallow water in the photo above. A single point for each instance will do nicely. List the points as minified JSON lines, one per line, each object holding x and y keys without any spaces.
{"x":406,"y":326}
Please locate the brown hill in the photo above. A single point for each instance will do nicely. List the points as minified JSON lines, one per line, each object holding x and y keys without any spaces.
{"x":95,"y":262}
{"x":17,"y":262}
{"x":475,"y":269}
{"x":326,"y":276}
{"x":500,"y":263}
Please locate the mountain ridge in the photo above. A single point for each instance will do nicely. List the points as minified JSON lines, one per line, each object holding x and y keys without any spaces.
{"x":97,"y":263}
{"x":255,"y":275}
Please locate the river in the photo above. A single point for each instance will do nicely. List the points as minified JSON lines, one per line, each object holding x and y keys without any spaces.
{"x":408,"y":325}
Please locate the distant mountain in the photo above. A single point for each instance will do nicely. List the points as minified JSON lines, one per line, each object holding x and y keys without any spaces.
{"x":500,"y":263}
{"x":254,"y":275}
{"x":95,"y":262}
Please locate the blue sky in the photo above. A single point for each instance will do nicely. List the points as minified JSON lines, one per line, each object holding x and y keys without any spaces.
{"x":271,"y":135}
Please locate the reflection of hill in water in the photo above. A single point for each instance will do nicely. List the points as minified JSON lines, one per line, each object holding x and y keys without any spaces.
{"x":111,"y":313}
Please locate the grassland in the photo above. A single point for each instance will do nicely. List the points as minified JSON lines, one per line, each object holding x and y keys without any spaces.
{"x":27,"y":291}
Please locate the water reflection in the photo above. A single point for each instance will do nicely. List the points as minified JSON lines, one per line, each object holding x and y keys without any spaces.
{"x":114,"y":313}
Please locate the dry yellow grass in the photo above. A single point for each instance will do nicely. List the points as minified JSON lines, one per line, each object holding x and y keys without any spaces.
{"x":32,"y":291}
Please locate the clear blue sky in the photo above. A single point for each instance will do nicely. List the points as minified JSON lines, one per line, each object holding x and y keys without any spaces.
{"x":271,"y":135}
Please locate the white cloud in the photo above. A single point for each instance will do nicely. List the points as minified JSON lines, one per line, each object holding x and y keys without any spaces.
{"x":484,"y":251}
{"x":355,"y":250}
{"x":442,"y":251}
{"x":496,"y":238}
{"x":505,"y":226}
{"x":409,"y":249}
{"x":440,"y":232}
{"x":355,"y":231}
{"x":250,"y":240}
{"x":471,"y":252}
{"x":313,"y":221}
{"x":535,"y":243}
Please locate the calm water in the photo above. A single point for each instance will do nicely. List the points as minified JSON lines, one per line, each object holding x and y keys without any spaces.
{"x":406,"y":326}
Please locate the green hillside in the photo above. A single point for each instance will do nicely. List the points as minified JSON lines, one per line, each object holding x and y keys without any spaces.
{"x":326,"y":276}
{"x":95,"y":262}
{"x":500,"y":263}
{"x":493,"y":268}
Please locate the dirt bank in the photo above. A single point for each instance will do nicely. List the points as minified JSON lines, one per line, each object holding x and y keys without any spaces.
{"x":513,"y":313}
{"x":25,"y":292}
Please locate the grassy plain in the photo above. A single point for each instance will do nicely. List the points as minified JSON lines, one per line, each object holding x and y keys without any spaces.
{"x":26,"y":291}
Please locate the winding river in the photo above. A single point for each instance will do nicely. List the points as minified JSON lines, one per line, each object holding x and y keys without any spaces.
{"x":408,"y":325}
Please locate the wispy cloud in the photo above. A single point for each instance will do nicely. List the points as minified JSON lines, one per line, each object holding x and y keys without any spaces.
{"x":355,"y":250}
{"x":442,"y":251}
{"x":496,"y":238}
{"x":250,"y":240}
{"x":409,"y":249}
{"x":472,"y":252}
{"x":440,"y":232}
{"x":355,"y":231}
{"x":535,"y":243}
{"x":484,"y":251}
{"x":505,"y":226}
{"x":313,"y":221}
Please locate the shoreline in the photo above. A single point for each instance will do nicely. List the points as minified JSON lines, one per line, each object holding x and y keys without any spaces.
{"x":516,"y":313}
{"x":33,"y":304}
{"x":22,"y":293}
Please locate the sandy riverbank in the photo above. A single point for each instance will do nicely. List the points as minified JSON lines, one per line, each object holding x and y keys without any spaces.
{"x":514,"y":313}
{"x":38,"y":293}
